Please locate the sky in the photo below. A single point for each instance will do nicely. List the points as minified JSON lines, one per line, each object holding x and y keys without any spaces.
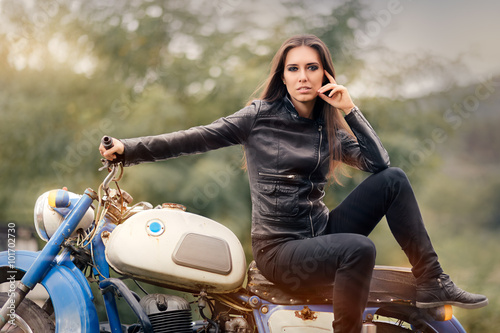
{"x":447,"y":28}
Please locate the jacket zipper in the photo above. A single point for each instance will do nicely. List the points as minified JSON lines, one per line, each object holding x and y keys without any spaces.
{"x":276,"y":176}
{"x":312,"y":184}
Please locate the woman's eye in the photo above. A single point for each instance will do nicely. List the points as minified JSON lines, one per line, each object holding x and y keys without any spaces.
{"x":292,"y":69}
{"x":313,"y":67}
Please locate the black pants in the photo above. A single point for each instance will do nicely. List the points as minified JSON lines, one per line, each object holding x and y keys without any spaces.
{"x":346,"y":256}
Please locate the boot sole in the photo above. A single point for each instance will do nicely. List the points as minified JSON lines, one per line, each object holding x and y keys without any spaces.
{"x":426,"y":305}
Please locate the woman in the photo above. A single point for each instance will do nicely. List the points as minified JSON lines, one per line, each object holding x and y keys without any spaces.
{"x":295,"y":137}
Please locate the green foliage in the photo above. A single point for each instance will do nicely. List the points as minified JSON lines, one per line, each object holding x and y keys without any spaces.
{"x":72,"y":71}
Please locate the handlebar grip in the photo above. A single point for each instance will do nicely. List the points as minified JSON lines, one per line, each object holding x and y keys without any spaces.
{"x":107,"y":142}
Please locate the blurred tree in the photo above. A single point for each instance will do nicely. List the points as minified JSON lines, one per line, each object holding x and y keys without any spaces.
{"x":73,"y":71}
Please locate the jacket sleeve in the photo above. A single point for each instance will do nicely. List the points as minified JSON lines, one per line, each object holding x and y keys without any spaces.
{"x":367,"y":152}
{"x":224,"y":132}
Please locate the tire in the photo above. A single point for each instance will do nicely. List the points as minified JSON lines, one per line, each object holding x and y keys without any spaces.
{"x":29,"y":318}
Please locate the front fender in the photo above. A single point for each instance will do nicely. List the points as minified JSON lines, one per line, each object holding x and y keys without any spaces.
{"x":67,"y":287}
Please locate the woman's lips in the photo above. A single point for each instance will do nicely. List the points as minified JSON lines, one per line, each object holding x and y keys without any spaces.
{"x":304,"y":90}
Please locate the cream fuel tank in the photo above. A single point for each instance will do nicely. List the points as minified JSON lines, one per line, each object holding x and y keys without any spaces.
{"x":174,"y":248}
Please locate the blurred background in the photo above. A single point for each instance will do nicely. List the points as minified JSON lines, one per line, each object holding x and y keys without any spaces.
{"x":426,"y":74}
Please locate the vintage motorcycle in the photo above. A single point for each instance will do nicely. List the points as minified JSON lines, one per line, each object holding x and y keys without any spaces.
{"x":90,"y":235}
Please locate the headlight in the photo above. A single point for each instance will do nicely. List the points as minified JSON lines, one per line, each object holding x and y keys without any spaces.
{"x":52,"y":207}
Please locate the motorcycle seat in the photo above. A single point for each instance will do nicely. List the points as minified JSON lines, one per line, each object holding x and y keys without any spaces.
{"x":388,"y":285}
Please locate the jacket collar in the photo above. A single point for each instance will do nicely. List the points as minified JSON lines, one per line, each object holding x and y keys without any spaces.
{"x":291,"y":109}
{"x":289,"y":106}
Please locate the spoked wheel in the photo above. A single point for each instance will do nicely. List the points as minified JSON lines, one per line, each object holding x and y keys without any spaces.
{"x":28,"y":318}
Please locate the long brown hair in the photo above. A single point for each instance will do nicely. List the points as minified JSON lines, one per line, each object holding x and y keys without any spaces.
{"x":274,"y":90}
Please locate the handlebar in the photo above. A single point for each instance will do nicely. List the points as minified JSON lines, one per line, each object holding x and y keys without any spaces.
{"x":113,"y":166}
{"x":112,"y":173}
{"x":107,"y":142}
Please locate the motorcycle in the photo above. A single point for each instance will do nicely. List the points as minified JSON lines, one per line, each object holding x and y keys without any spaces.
{"x":167,"y":246}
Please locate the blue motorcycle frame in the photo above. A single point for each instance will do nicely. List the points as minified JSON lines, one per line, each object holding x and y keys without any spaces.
{"x":72,"y":298}
{"x":68,"y":288}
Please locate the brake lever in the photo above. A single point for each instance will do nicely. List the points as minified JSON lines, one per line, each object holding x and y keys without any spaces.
{"x":106,"y":164}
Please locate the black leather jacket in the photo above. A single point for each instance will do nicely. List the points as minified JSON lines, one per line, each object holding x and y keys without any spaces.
{"x":287,"y":160}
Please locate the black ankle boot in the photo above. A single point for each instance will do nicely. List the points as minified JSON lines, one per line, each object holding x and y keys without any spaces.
{"x":442,"y":291}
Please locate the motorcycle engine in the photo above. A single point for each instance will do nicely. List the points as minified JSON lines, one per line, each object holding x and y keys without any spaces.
{"x":168,"y":313}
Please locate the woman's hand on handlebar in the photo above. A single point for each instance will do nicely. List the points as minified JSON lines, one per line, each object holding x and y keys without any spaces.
{"x":110,"y":154}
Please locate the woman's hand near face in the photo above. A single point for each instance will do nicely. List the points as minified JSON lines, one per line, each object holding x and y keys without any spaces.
{"x":338,"y":96}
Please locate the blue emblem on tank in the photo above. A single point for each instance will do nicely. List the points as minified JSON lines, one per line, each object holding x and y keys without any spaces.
{"x":155,"y":227}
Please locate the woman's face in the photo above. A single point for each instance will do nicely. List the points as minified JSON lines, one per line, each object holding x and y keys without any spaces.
{"x":303,"y":76}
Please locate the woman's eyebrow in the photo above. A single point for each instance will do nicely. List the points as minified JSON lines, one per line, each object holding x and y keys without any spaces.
{"x":310,"y":63}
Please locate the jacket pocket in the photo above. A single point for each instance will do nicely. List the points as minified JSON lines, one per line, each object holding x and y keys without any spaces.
{"x":278,"y":200}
